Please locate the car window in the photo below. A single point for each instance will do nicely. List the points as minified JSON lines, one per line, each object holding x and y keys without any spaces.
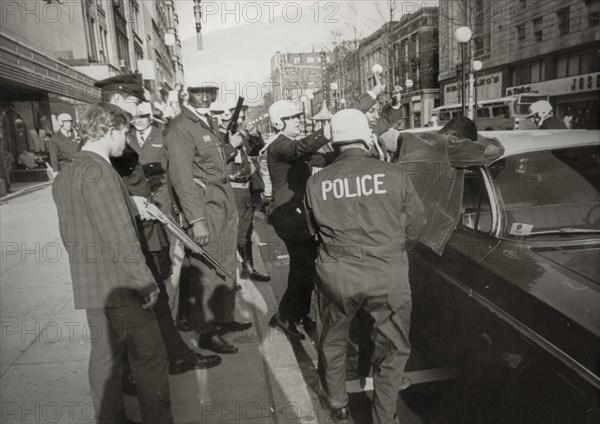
{"x":549,"y":190}
{"x":483,"y":113}
{"x":500,"y":111}
{"x":476,"y":211}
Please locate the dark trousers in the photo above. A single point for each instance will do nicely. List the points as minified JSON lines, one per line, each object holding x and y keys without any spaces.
{"x":377,"y":283}
{"x":291,"y":227}
{"x":245,"y":208}
{"x":132,"y":332}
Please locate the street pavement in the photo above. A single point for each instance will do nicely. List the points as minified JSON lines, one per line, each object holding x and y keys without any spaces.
{"x":45,"y":342}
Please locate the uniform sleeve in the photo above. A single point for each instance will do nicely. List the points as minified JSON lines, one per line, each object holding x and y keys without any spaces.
{"x":181,"y":152}
{"x":114,"y":223}
{"x":363,"y":102}
{"x":255,"y":144}
{"x":415,"y":219}
{"x":290,"y":151}
{"x":53,"y":148}
{"x":310,"y":218}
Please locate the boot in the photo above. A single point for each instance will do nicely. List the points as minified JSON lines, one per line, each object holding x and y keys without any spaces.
{"x":248,"y":270}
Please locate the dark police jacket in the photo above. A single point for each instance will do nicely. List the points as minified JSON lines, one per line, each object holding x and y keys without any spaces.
{"x":129,"y":168}
{"x":197,"y":168}
{"x":62,"y":149}
{"x":362,"y":210}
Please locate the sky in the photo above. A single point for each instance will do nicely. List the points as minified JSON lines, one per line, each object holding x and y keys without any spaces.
{"x":241,"y":37}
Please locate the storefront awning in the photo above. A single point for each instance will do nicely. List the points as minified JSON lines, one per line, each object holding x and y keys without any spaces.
{"x":22,"y":65}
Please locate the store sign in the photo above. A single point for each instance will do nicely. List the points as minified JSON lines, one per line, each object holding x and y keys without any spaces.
{"x":489,"y":87}
{"x":559,"y":87}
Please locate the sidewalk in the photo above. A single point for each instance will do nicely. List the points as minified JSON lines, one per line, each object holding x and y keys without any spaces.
{"x":45,"y":342}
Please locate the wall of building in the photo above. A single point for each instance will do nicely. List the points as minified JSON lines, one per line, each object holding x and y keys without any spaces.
{"x":57,"y":29}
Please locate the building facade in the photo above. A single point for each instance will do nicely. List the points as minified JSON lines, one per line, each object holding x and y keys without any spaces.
{"x":527,"y":47}
{"x":416,"y":55}
{"x":52,"y":52}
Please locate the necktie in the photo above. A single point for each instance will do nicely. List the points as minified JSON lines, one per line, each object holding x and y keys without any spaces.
{"x":142,"y":137}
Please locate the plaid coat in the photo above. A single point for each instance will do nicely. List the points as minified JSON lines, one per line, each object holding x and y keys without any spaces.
{"x":97,"y":226}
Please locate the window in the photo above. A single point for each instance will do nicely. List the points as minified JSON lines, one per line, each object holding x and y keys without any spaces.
{"x":483,"y":112}
{"x":522,"y":4}
{"x":103,"y":54}
{"x":538,"y":32}
{"x":500,"y":112}
{"x":538,"y":71}
{"x":521,"y":33}
{"x":573,"y":64}
{"x":593,"y":19}
{"x":92,"y":38}
{"x":476,"y":212}
{"x":564,"y":17}
{"x":296,"y":61}
{"x":562,"y":65}
{"x":522,"y":74}
{"x":590,"y":62}
{"x":310,"y":59}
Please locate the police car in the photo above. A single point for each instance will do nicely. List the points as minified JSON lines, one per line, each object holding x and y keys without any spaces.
{"x":519,"y":281}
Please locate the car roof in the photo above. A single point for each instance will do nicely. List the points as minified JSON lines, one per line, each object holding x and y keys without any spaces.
{"x":516,"y":142}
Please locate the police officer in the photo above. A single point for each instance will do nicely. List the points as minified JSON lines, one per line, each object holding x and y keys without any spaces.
{"x":288,"y":161}
{"x":362,"y":210}
{"x":542,"y":114}
{"x":126,"y":91}
{"x":205,"y":198}
{"x":147,"y":141}
{"x":63,"y":144}
{"x":242,"y":170}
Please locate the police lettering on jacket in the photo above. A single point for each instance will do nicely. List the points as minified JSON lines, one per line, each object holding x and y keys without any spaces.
{"x":347,"y":188}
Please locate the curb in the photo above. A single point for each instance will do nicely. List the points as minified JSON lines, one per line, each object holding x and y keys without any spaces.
{"x":24,"y":191}
{"x":288,"y":392}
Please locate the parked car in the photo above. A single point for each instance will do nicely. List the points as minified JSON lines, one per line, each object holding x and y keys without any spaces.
{"x":520,"y":276}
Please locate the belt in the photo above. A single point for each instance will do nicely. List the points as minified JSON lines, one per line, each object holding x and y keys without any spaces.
{"x":335,"y":249}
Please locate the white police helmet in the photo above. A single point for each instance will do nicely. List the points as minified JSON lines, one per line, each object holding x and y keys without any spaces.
{"x":540,"y":111}
{"x":350,"y":126}
{"x":280,"y":110}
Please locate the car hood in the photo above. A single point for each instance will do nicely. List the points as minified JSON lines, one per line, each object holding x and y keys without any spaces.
{"x":584,"y":262}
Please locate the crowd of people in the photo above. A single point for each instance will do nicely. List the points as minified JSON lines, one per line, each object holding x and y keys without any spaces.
{"x":343,"y":204}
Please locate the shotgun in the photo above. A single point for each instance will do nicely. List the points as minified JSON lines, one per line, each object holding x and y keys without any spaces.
{"x":180,"y":234}
{"x":233,"y":124}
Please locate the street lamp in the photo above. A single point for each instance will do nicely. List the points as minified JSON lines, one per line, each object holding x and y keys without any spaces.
{"x":476,"y":67}
{"x":409,"y":84}
{"x":198,"y":17}
{"x":463,"y":35}
{"x":334,"y":88}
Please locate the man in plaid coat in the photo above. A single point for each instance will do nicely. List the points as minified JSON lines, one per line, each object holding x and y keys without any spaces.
{"x":111,"y":280}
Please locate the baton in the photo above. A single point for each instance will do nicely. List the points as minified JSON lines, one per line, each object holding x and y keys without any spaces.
{"x":180,"y":234}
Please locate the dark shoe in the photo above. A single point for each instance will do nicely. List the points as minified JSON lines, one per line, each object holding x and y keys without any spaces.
{"x":234,"y":326}
{"x":308,"y":323}
{"x":341,"y":415}
{"x":194,"y":361}
{"x":288,"y":327}
{"x":216,"y":343}
{"x":128,"y":385}
{"x":184,"y":325}
{"x":257,"y":276}
{"x":248,"y":270}
{"x":245,"y":273}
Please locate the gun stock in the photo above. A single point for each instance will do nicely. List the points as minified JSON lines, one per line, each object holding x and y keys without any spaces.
{"x":180,"y":234}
